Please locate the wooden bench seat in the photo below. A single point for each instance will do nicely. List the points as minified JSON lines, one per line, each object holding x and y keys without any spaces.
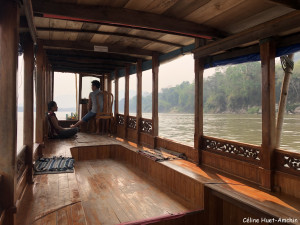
{"x":260,"y":205}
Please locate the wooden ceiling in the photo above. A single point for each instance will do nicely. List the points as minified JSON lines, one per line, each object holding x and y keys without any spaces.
{"x":72,"y":31}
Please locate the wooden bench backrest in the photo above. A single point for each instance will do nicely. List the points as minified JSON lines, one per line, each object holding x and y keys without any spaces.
{"x":107,"y":103}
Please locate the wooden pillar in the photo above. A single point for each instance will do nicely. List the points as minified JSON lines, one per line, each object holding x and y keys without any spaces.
{"x":45,"y":96}
{"x":116,"y":93}
{"x":105,"y":83}
{"x":9,"y":24}
{"x":199,"y":71}
{"x":39,"y":127}
{"x":155,"y":65}
{"x":109,"y":84}
{"x":79,"y":97}
{"x":139,"y":99}
{"x":28,"y":104}
{"x":102,"y":82}
{"x":267,"y":54}
{"x":52,"y":84}
{"x":126,"y":103}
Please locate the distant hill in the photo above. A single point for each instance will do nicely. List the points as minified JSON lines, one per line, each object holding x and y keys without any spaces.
{"x":234,"y":89}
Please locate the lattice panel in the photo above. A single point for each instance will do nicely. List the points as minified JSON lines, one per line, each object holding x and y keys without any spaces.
{"x":120,"y":119}
{"x":146,"y":126}
{"x":132,"y":122}
{"x":292,"y":162}
{"x":233,"y":148}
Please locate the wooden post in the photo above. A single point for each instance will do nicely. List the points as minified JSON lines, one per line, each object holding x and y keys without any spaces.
{"x":116,"y":111}
{"x":109,"y":84}
{"x":199,"y":71}
{"x":283,"y":100}
{"x":105,"y":83}
{"x":155,"y":65}
{"x":138,"y":99}
{"x":79,"y":97}
{"x":126,"y":103}
{"x":39,"y":126}
{"x":28,"y":104}
{"x":9,"y":33}
{"x":52,"y":84}
{"x":267,"y":55}
{"x":102,"y":82}
{"x":45,"y":97}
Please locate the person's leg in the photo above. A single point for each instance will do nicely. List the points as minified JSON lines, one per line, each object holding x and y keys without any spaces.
{"x":68,"y":132}
{"x":85,"y":119}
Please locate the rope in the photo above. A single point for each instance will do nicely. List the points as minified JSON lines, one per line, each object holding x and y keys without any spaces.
{"x":287,"y":64}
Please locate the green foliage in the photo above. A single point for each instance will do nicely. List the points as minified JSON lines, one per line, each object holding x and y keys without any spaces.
{"x":253,"y":110}
{"x":234,"y":88}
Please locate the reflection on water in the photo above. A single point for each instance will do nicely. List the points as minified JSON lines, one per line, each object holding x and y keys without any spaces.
{"x":239,"y":127}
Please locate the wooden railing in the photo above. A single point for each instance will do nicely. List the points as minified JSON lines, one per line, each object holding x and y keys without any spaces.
{"x":146,"y":126}
{"x":288,"y":162}
{"x":233,"y":149}
{"x":132,"y":122}
{"x":120,"y":119}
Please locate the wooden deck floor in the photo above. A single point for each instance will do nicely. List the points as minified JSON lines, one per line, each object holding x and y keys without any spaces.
{"x":109,"y":192}
{"x":99,"y":192}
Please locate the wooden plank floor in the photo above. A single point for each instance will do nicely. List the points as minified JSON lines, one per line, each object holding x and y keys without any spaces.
{"x":118,"y":191}
{"x":113,"y":192}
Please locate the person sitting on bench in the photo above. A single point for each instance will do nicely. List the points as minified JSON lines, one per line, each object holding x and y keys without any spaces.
{"x":92,"y":105}
{"x":56,"y":131}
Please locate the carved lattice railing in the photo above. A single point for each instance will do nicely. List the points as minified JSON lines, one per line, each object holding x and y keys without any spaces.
{"x":241,"y":151}
{"x":288,"y":162}
{"x":146,"y":126}
{"x":132,"y":122}
{"x":120,"y":119}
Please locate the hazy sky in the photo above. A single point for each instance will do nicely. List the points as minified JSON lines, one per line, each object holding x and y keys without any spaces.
{"x":170,"y":74}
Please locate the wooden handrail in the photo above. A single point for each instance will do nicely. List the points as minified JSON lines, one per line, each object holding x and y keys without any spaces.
{"x":232,"y":149}
{"x":288,"y":162}
{"x":233,"y":142}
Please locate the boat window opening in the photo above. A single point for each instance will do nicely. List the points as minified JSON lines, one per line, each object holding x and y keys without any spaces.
{"x":147,"y":94}
{"x":121,"y":94}
{"x":132,"y":94}
{"x":232,"y":102}
{"x":176,"y":100}
{"x":65,"y":95}
{"x":20,"y":97}
{"x":290,"y":132}
{"x":86,"y":86}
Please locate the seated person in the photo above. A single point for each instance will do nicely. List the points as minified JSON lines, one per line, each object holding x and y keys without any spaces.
{"x":56,"y":131}
{"x":92,"y":105}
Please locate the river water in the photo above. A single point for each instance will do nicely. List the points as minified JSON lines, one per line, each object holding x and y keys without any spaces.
{"x":239,"y":127}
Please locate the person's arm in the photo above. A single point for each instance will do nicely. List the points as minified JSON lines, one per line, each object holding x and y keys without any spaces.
{"x":55,"y":123}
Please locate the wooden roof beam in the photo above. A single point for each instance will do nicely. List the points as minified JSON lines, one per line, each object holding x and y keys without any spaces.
{"x":93,"y":55}
{"x":294,"y":4}
{"x":77,"y":65}
{"x":94,"y":47}
{"x":79,"y":70}
{"x":124,"y":17}
{"x":118,"y":34}
{"x":87,"y":61}
{"x":30,"y":21}
{"x":271,"y":28}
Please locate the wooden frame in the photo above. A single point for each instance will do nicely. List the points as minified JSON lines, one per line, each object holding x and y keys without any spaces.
{"x":9,"y":38}
{"x":268,"y":51}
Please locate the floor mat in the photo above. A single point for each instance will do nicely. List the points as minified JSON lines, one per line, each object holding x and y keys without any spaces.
{"x":54,"y":165}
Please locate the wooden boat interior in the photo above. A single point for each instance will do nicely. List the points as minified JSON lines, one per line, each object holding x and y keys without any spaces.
{"x":220,"y":182}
